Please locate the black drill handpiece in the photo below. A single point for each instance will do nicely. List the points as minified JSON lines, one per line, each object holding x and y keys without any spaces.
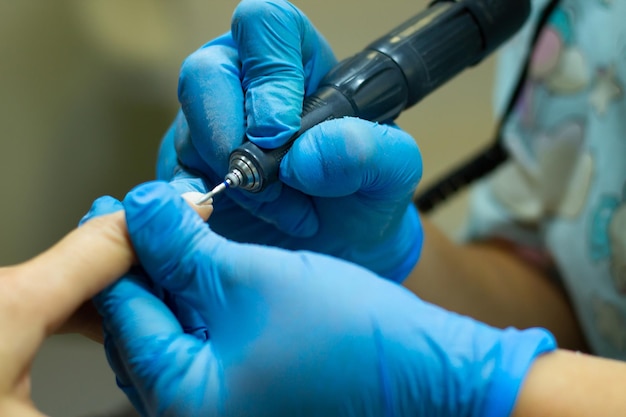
{"x":395,"y":72}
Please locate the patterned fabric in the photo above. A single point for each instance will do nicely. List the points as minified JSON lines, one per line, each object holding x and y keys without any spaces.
{"x":563,"y":193}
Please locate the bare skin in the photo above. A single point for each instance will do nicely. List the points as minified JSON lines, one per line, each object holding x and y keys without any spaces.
{"x":38,"y":296}
{"x":42,"y":296}
{"x":492,"y":283}
{"x":567,"y":384}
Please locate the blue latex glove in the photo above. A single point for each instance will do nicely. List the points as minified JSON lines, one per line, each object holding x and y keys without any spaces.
{"x":191,"y":322}
{"x":346,"y":184}
{"x":293,"y":333}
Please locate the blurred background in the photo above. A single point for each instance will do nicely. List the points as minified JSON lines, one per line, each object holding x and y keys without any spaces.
{"x":87,"y":88}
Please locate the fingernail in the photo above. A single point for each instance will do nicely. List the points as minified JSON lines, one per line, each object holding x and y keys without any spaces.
{"x":205,"y":209}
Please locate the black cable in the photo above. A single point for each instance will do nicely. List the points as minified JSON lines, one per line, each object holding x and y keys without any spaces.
{"x":489,"y":158}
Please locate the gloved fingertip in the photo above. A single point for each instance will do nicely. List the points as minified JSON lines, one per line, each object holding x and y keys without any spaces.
{"x":283,"y":133}
{"x":101,"y":206}
{"x":148,"y":192}
{"x":148,"y":199}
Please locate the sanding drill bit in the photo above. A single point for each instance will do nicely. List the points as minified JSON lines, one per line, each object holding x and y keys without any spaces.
{"x":208,"y":197}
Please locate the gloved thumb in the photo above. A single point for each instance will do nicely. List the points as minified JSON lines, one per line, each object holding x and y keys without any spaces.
{"x":174,"y":245}
{"x":343,"y":156}
{"x":101,"y":206}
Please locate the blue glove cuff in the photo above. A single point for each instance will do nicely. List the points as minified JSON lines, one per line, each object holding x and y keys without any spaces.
{"x":519,"y":353}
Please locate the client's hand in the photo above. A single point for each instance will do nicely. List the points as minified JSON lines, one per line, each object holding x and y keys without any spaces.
{"x":38,"y":296}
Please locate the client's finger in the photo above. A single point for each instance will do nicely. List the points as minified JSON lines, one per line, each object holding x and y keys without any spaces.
{"x":55,"y":283}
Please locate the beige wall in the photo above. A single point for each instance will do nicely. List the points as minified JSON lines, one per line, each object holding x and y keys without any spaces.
{"x":88,"y":87}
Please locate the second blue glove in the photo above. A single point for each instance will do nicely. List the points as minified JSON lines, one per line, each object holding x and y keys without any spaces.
{"x":293,"y":333}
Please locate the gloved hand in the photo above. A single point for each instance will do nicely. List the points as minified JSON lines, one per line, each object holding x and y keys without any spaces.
{"x":346,"y":184}
{"x":292,"y":333}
